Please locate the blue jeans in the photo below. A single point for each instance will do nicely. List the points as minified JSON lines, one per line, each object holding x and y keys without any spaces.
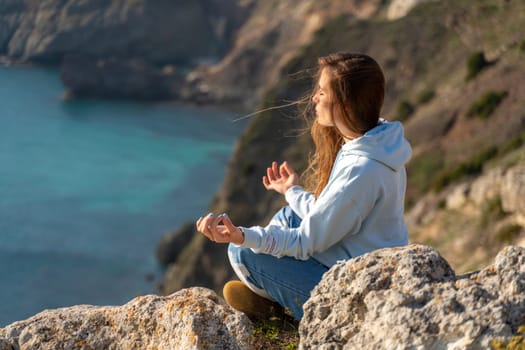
{"x":285,"y":280}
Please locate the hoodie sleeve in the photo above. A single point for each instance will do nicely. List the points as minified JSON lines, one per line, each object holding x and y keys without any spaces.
{"x":339,"y":211}
{"x":300,"y":201}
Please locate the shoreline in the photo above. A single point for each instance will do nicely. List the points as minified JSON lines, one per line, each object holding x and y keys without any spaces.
{"x":241,"y":111}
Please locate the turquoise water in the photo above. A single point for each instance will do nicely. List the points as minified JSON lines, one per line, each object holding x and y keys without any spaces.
{"x":87,"y":188}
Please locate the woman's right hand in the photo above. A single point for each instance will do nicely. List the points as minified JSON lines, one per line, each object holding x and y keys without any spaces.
{"x":280,"y":178}
{"x":225,"y":233}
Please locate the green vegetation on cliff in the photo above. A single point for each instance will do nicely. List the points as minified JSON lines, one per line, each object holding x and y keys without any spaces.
{"x":486,"y":104}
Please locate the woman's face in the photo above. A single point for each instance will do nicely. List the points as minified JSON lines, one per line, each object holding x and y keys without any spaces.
{"x":323,"y":100}
{"x":324,"y":110}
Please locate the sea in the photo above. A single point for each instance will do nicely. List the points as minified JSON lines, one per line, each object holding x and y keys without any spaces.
{"x":88,"y":187}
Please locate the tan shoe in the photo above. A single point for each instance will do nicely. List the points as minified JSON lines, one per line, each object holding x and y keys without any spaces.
{"x":243,"y":299}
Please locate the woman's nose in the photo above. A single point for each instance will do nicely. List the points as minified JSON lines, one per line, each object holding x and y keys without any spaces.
{"x":315,"y":99}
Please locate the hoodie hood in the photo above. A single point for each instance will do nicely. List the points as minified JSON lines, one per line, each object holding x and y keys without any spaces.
{"x":386,"y":143}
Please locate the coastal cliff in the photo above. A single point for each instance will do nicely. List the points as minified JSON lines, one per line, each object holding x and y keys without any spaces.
{"x":154,"y":31}
{"x":119,"y":48}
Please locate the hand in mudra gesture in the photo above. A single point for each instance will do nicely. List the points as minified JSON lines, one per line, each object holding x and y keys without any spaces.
{"x":219,"y":229}
{"x":280,"y":178}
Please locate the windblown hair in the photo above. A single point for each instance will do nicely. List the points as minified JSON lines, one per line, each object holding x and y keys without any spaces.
{"x":357,"y":90}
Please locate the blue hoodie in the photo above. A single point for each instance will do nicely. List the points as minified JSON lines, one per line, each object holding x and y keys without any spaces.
{"x":360,"y":209}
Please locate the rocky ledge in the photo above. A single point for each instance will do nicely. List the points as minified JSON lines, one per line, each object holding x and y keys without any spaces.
{"x":394,"y":298}
{"x":194,"y":318}
{"x":410,"y":298}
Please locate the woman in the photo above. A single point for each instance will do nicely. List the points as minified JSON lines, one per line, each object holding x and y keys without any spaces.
{"x":357,"y":180}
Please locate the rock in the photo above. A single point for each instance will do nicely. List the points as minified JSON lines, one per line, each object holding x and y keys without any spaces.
{"x":5,"y":344}
{"x":399,"y":8}
{"x":393,"y":298}
{"x":513,"y":190}
{"x":173,"y":243}
{"x":409,"y":297}
{"x":458,"y":197}
{"x":508,"y":184}
{"x":423,"y":212}
{"x":486,"y":187}
{"x":11,"y":13}
{"x":194,"y":318}
{"x":118,"y":78}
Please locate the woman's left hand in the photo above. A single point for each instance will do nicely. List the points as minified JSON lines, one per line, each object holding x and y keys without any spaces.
{"x":280,"y":178}
{"x":209,"y":226}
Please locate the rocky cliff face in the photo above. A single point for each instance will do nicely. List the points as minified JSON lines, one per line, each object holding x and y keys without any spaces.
{"x":394,"y":298}
{"x":479,"y":216}
{"x":273,"y":35}
{"x":119,"y":48}
{"x":116,"y":78}
{"x":155,"y":31}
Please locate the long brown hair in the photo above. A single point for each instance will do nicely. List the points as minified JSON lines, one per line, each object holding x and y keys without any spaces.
{"x":357,"y":89}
